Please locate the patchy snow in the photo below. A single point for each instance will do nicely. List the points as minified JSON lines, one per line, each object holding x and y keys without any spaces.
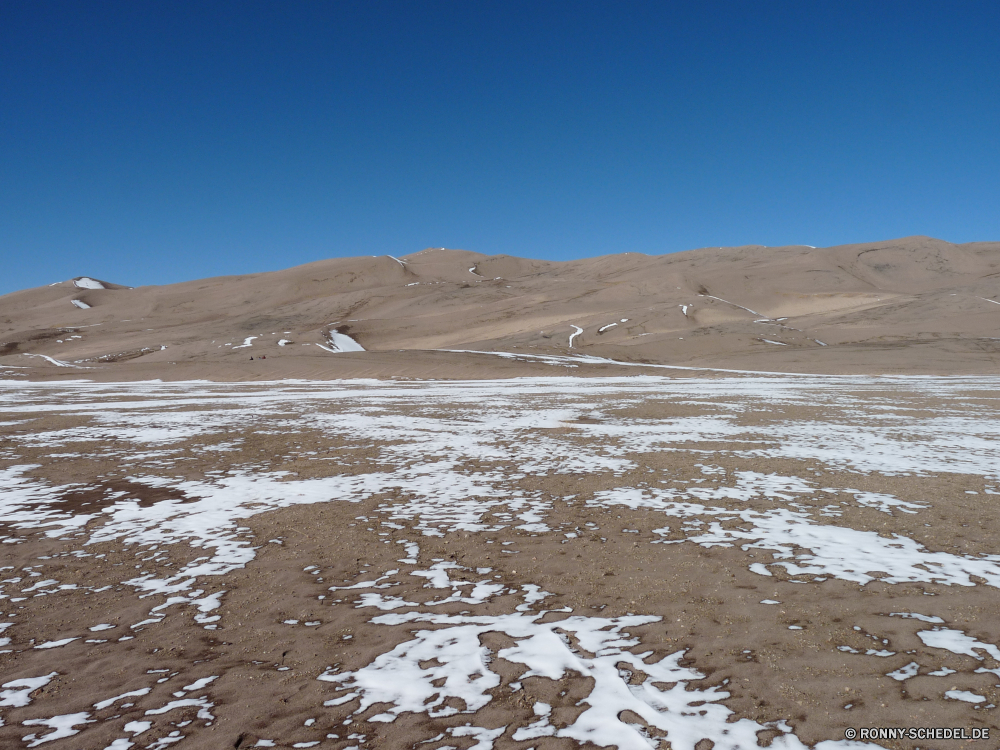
{"x":806,"y":548}
{"x":17,"y":693}
{"x":905,"y":673}
{"x":247,"y":342}
{"x":85,"y":282}
{"x":711,"y":296}
{"x":446,"y":665}
{"x":80,"y":303}
{"x":56,"y":644}
{"x":111,"y":701}
{"x":52,"y":360}
{"x":957,"y":642}
{"x":62,"y":726}
{"x":609,"y":325}
{"x":200,"y":684}
{"x":576,"y":332}
{"x":964,"y":695}
{"x":915,"y":616}
{"x":883,"y":503}
{"x":438,"y":463}
{"x":201,"y":703}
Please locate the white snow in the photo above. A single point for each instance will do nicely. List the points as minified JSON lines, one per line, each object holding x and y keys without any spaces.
{"x":915,"y":616}
{"x":776,"y":343}
{"x":199,"y":684}
{"x":446,"y":663}
{"x":80,"y":303}
{"x":905,"y":673}
{"x":576,"y":332}
{"x":943,"y":672}
{"x":201,"y":703}
{"x":609,"y":325}
{"x":111,"y":701}
{"x":341,"y":342}
{"x":62,"y":726}
{"x":710,"y":296}
{"x":85,"y":282}
{"x":284,"y":342}
{"x":17,"y":692}
{"x":957,"y":642}
{"x":964,"y":695}
{"x":51,"y":360}
{"x":248,"y":341}
{"x":56,"y":644}
{"x":806,"y":548}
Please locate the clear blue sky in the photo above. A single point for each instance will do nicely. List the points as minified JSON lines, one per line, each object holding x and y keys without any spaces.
{"x":153,"y":142}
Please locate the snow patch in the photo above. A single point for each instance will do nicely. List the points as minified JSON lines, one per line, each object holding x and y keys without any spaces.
{"x":56,"y":362}
{"x":576,"y":332}
{"x":340,"y":342}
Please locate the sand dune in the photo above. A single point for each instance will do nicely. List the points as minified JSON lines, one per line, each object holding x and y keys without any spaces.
{"x":913,"y":305}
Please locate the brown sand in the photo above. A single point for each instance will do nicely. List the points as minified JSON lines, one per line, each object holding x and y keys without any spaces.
{"x":914,"y":305}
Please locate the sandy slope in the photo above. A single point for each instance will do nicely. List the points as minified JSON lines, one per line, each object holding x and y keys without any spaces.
{"x":916,"y":305}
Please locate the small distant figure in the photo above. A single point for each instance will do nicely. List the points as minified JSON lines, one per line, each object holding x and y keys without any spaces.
{"x":251,"y":359}
{"x":263,"y":356}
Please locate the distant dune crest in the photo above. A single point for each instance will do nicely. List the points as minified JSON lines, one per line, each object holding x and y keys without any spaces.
{"x":913,"y":305}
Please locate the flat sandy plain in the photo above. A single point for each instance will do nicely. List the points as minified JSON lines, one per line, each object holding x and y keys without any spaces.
{"x":535,"y":562}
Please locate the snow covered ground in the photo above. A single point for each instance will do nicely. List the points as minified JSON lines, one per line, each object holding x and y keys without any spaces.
{"x":151,"y":496}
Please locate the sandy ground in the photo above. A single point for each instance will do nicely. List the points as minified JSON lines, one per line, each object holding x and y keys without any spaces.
{"x":915,"y":305}
{"x":546,"y":562}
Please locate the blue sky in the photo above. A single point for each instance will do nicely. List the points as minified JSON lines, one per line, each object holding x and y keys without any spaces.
{"x":154,"y":142}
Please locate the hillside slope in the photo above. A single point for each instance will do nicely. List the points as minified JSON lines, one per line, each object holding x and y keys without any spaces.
{"x":913,"y":305}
